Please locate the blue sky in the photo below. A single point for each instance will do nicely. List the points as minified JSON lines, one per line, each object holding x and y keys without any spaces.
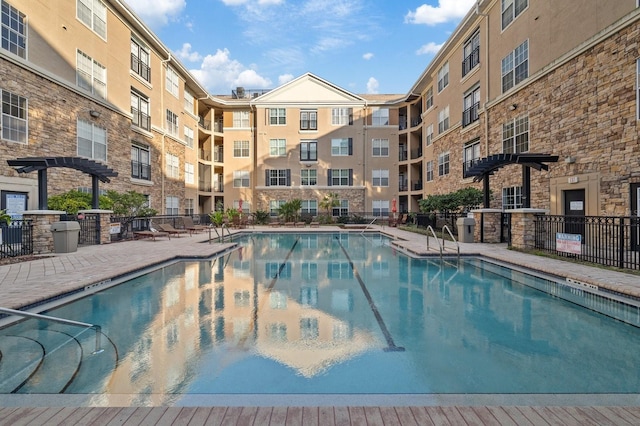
{"x":363,"y":46}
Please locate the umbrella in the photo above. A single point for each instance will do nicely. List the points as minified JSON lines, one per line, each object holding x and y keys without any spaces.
{"x":240,"y":206}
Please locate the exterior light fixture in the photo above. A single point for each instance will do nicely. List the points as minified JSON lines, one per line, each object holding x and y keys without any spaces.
{"x":95,"y":114}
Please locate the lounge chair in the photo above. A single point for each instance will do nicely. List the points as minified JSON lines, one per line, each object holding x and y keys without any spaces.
{"x":275,"y":223}
{"x":190,"y":226}
{"x":151,"y":234}
{"x":313,"y":224}
{"x":168,"y":228}
{"x":300,"y":224}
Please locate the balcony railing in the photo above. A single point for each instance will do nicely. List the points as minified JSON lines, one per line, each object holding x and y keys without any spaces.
{"x":204,"y":186}
{"x":140,"y":68}
{"x":140,"y":119}
{"x":218,"y":155}
{"x":140,"y":170}
{"x":416,"y":153}
{"x":403,"y":123}
{"x":471,"y":61}
{"x":205,"y":154}
{"x":218,"y":126}
{"x":403,"y":155}
{"x":403,"y":187}
{"x":416,"y":185}
{"x":416,"y":121}
{"x":205,"y":124}
{"x":470,"y":115}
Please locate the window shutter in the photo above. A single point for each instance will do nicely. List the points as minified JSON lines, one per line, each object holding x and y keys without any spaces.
{"x":266,"y":177}
{"x":350,"y":146}
{"x":288,"y":177}
{"x":350,"y":116}
{"x":329,"y":175}
{"x":350,"y":177}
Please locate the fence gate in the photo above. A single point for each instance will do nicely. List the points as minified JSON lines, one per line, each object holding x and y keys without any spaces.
{"x":89,"y":227}
{"x":505,"y":228}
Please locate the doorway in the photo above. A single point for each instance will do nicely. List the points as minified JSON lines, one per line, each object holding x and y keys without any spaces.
{"x":574,"y":208}
{"x":635,"y":216}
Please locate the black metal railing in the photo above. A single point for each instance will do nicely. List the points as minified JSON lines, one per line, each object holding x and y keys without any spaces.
{"x":140,"y":119}
{"x":471,"y":61}
{"x":17,"y":239}
{"x":416,"y":153}
{"x":604,"y":240}
{"x":470,"y":115}
{"x":416,"y":121}
{"x":416,"y":185}
{"x":205,"y":124}
{"x":505,"y":228}
{"x":89,"y":227}
{"x":140,"y":170}
{"x":403,"y":155}
{"x":140,"y":68}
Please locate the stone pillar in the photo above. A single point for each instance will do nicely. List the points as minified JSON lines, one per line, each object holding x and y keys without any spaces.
{"x":523,"y":232}
{"x":104,"y":216}
{"x":488,"y":222}
{"x":42,"y":235}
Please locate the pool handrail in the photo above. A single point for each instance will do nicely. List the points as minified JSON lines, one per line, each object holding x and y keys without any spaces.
{"x":367,"y":226}
{"x":430,"y":228}
{"x":446,"y":228}
{"x":220,"y":237}
{"x":24,"y":314}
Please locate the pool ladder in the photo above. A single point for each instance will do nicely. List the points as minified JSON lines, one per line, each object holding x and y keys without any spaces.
{"x":24,"y":314}
{"x":442,"y":246}
{"x":221,"y":233}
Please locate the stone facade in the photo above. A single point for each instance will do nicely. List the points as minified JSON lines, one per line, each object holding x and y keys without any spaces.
{"x":355,"y":196}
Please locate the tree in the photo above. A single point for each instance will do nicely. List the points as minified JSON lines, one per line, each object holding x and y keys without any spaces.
{"x":75,"y":200}
{"x":290,"y":210}
{"x":459,"y":201}
{"x":329,"y":201}
{"x":130,"y":204}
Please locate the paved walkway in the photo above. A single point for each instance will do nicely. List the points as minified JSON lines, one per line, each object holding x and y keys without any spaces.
{"x":28,"y":283}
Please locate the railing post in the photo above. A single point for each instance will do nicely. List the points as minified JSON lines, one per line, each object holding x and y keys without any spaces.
{"x":621,"y":244}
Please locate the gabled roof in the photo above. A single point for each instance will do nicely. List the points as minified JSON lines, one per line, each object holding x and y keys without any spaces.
{"x":308,"y":89}
{"x":91,"y":167}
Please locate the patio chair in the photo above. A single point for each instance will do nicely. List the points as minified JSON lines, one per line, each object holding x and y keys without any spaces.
{"x":168,"y":228}
{"x":187,"y":221}
{"x":151,"y":234}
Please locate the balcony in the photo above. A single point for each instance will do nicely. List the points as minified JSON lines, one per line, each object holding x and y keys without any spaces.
{"x":218,"y":155}
{"x":140,"y":119}
{"x":403,"y":187}
{"x":218,"y":126}
{"x":403,"y":123}
{"x":416,"y":121}
{"x":205,"y":154}
{"x":471,"y":61}
{"x":470,"y":115}
{"x":416,"y":185}
{"x":140,"y":170}
{"x":402,"y":155}
{"x":140,"y":68}
{"x":416,"y":153}
{"x":204,"y":124}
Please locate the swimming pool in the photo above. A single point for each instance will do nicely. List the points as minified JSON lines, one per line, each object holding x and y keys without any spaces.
{"x":324,"y":314}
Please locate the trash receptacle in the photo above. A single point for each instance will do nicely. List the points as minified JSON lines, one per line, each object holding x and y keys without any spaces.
{"x":466,"y":227}
{"x":65,"y":236}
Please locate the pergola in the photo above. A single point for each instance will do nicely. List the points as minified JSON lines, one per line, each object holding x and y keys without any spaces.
{"x":98,"y":172}
{"x":482,"y":168}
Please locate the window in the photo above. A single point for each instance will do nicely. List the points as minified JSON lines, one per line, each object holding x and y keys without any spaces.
{"x":13,"y":120}
{"x":172,"y":123}
{"x":471,"y":105}
{"x":340,"y":177}
{"x":188,"y":136}
{"x":443,"y":120}
{"x":93,"y":14}
{"x":515,"y":66}
{"x":277,"y":116}
{"x":429,"y":170}
{"x":342,"y":209}
{"x":341,"y":147}
{"x":140,"y":162}
{"x":309,"y":120}
{"x":241,"y":149}
{"x":515,"y":136}
{"x":240,"y":119}
{"x":92,"y":141}
{"x":443,"y":77}
{"x":278,"y":177}
{"x":380,"y":117}
{"x":189,"y":102}
{"x":380,"y":147}
{"x":308,"y":177}
{"x":308,"y":151}
{"x":189,"y":207}
{"x":14,"y":31}
{"x":429,"y":135}
{"x":471,"y":53}
{"x":278,"y":147}
{"x":512,"y":198}
{"x":172,"y":205}
{"x":511,"y":9}
{"x":380,"y":178}
{"x":241,"y":179}
{"x":172,"y":166}
{"x":309,"y":328}
{"x":471,"y":152}
{"x":172,"y":82}
{"x":342,"y":116}
{"x":380,"y":207}
{"x":274,"y":207}
{"x":309,"y":207}
{"x":140,"y":111}
{"x":246,"y":205}
{"x":443,"y":164}
{"x":308,"y":294}
{"x":140,"y":60}
{"x":429,"y":98}
{"x":189,"y":173}
{"x":90,"y":75}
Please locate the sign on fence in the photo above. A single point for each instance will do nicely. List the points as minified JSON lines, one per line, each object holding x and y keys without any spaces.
{"x":569,"y":243}
{"x":114,"y":228}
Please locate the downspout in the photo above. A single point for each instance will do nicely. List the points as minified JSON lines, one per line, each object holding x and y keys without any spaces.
{"x":486,"y":77}
{"x":364,"y":154}
{"x":164,"y":134}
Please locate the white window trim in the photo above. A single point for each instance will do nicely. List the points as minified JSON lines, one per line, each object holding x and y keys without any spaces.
{"x":3,"y":125}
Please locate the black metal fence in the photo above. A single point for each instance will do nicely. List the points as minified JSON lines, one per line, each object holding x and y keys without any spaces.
{"x":604,"y":240}
{"x":17,"y":239}
{"x":89,"y":227}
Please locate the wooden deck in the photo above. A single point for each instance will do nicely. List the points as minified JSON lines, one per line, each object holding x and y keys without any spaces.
{"x":321,"y":416}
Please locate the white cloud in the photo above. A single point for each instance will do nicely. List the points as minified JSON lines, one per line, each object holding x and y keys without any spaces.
{"x":187,"y":55}
{"x":429,"y":48}
{"x":367,"y":56}
{"x":447,"y":10}
{"x":372,"y":85}
{"x":157,"y":13}
{"x":219,"y":74}
{"x":284,"y":78}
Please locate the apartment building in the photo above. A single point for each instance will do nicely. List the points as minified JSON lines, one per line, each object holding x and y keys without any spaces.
{"x":88,"y":79}
{"x":522,"y":76}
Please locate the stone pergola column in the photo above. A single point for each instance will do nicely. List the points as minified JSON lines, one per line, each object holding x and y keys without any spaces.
{"x":488,"y":224}
{"x":523,"y":232}
{"x":42,"y":235}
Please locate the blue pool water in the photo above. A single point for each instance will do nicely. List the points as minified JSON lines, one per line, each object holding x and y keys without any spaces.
{"x":323,"y":314}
